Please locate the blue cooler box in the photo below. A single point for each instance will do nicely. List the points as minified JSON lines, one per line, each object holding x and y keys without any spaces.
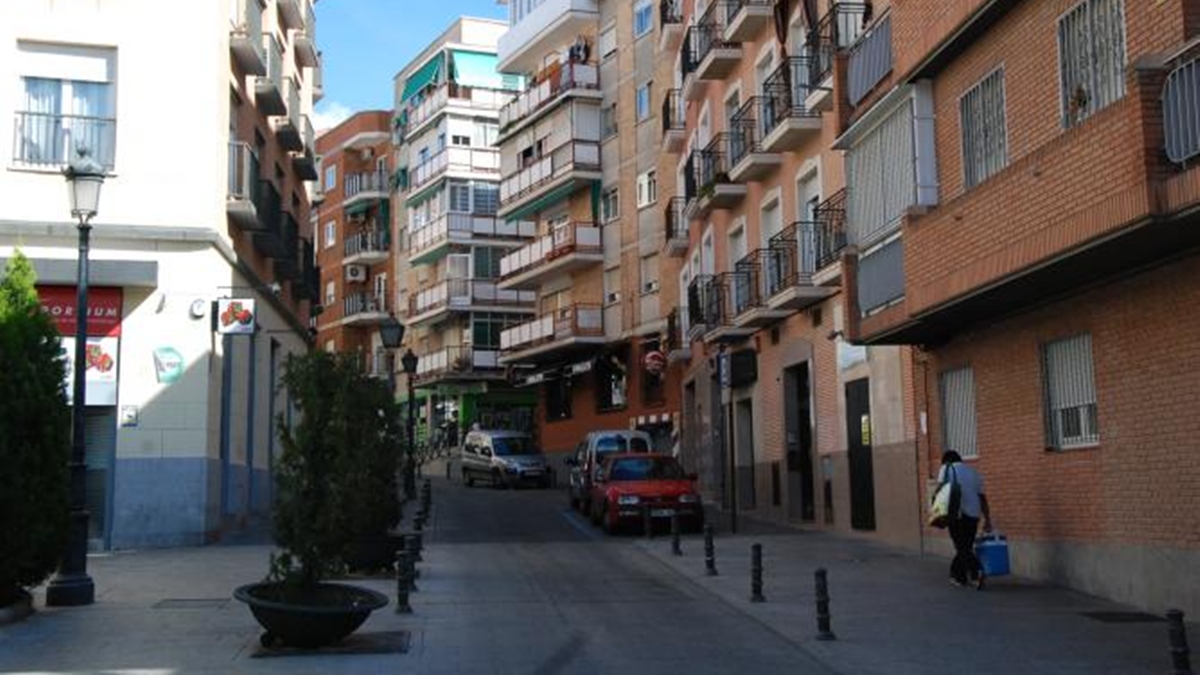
{"x":992,"y":551}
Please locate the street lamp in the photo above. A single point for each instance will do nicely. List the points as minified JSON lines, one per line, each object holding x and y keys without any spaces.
{"x":71,"y":585}
{"x":409,"y":363}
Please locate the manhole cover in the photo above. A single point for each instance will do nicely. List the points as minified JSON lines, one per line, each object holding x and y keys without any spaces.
{"x":383,"y":642}
{"x":192,"y":603}
{"x":1122,"y":617}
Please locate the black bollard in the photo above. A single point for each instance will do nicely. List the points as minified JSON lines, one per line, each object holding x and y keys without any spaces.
{"x":418,"y":522}
{"x":402,"y":581}
{"x":823,"y":631}
{"x":710,"y":553}
{"x":447,"y":468}
{"x":756,"y":571}
{"x":413,"y":544}
{"x":647,"y":523}
{"x":675,"y":549}
{"x":1177,"y":636}
{"x":410,"y":573}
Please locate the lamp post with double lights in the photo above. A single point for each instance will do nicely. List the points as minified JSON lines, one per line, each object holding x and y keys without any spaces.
{"x":71,"y":585}
{"x":409,"y":363}
{"x":391,"y":334}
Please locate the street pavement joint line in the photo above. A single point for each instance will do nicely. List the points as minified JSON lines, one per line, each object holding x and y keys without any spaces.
{"x":574,"y":520}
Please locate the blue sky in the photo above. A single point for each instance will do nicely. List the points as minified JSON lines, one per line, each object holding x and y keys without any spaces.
{"x":366,"y":42}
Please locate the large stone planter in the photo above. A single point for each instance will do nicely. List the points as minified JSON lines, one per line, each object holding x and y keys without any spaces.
{"x":308,"y":617}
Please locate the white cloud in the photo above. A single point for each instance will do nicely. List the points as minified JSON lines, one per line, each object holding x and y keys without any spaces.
{"x":329,"y":116}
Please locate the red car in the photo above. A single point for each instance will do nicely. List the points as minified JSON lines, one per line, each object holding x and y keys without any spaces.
{"x":628,"y":483}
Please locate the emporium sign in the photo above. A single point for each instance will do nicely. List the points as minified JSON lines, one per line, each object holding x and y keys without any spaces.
{"x":104,"y":309}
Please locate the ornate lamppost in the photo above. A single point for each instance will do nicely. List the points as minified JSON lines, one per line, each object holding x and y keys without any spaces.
{"x":409,"y":363}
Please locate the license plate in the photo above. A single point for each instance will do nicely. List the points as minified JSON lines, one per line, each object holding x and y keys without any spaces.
{"x":662,"y":513}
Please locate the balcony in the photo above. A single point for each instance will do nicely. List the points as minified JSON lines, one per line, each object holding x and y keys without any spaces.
{"x":429,"y":243}
{"x":243,"y":194}
{"x":364,"y":309}
{"x":292,"y":13}
{"x":748,"y":159}
{"x":442,"y":300}
{"x":575,"y":328}
{"x":268,"y":88}
{"x":693,"y":89}
{"x":459,"y":363}
{"x":836,"y":31}
{"x":699,"y":306}
{"x":786,"y":122}
{"x":305,"y":40}
{"x":269,"y":208}
{"x":365,"y":186}
{"x":549,"y":26}
{"x":318,"y":80}
{"x":369,"y":247}
{"x":287,"y":126}
{"x":791,"y":265}
{"x":568,"y":247}
{"x":730,"y":294}
{"x":675,"y":224}
{"x":304,"y":162}
{"x":674,"y":121}
{"x":678,"y":347}
{"x":558,"y":82}
{"x":483,"y":163}
{"x":829,"y":238}
{"x":715,"y":58}
{"x":759,"y":276}
{"x":451,"y":95}
{"x":563,"y":166}
{"x":712,"y":187}
{"x":670,"y":23}
{"x":279,"y":238}
{"x":745,"y":19}
{"x":246,"y":37}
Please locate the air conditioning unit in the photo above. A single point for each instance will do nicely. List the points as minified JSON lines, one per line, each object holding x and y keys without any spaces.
{"x":612,"y":297}
{"x":356,"y":272}
{"x":650,"y":286}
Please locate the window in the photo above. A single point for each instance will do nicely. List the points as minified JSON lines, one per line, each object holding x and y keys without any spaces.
{"x":59,"y":115}
{"x":608,"y":42}
{"x":649,"y":270}
{"x":330,"y":346}
{"x":608,"y":122}
{"x":487,"y":198}
{"x":612,"y":286}
{"x":984,"y":131}
{"x":460,"y":140}
{"x":1091,"y":58}
{"x":486,"y":328}
{"x":558,"y":399}
{"x":610,"y":205}
{"x":460,"y":197}
{"x":653,"y":389}
{"x":643,"y":18}
{"x":647,"y":187}
{"x":330,"y":234}
{"x":1070,"y":393}
{"x":611,"y":381}
{"x":958,"y":411}
{"x":487,"y":262}
{"x":485,"y":134}
{"x":330,"y":293}
{"x":642,"y":110}
{"x":330,"y":177}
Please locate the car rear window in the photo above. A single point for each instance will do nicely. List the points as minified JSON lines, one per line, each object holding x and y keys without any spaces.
{"x":607,"y":444}
{"x":513,"y":445}
{"x":649,"y":468}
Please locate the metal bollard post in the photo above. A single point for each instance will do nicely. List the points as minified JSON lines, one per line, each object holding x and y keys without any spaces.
{"x":402,"y":581}
{"x":675,"y":549}
{"x":710,"y":554}
{"x":418,"y":522}
{"x":823,"y":631}
{"x":413,"y":544}
{"x":756,"y":571}
{"x":647,"y":524}
{"x":410,"y":562}
{"x":1177,"y":636}
{"x":447,"y":468}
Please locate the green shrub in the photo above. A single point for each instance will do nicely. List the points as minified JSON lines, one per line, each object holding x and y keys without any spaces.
{"x":35,"y":436}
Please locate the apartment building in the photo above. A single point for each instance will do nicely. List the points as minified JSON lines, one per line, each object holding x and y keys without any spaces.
{"x":784,"y":418}
{"x":448,"y":108}
{"x":354,"y":234}
{"x":182,"y":413}
{"x":1035,"y":233}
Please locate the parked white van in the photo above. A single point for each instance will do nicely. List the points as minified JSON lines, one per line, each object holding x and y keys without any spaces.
{"x":591,"y":451}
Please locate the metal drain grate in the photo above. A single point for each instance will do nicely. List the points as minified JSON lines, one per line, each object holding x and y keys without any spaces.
{"x":1123,"y":617}
{"x":383,"y":642}
{"x":191,"y":603}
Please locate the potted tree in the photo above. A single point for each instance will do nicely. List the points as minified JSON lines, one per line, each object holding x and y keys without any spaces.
{"x":317,"y":505}
{"x":35,"y":442}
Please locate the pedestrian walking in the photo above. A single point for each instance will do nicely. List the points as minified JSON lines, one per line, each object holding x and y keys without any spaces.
{"x":963,"y":522}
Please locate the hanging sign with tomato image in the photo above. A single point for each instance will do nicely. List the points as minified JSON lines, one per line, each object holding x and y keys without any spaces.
{"x":235,"y":317}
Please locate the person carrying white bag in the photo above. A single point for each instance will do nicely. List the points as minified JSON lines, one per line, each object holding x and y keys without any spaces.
{"x":962,"y":518}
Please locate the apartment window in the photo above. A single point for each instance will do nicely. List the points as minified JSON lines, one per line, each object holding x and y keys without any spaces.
{"x":1091,"y":58}
{"x":460,"y":140}
{"x":1069,"y":393}
{"x":558,"y":399}
{"x":68,"y":100}
{"x":487,"y":198}
{"x":879,"y":169}
{"x":610,"y":205}
{"x":460,"y":196}
{"x":608,"y":122}
{"x":486,"y":329}
{"x":984,"y":129}
{"x":608,"y":42}
{"x":612,"y":381}
{"x":653,"y":389}
{"x":330,"y":234}
{"x":485,"y":134}
{"x":647,"y":187}
{"x":643,"y":18}
{"x":330,"y":293}
{"x":958,"y":411}
{"x":643,"y":102}
{"x":649,"y":270}
{"x":330,"y":177}
{"x":612,"y":286}
{"x":487,"y":262}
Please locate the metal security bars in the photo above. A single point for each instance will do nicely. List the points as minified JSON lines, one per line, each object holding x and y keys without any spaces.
{"x":1069,"y":389}
{"x":785,"y":91}
{"x":674,"y":112}
{"x":984,"y":129}
{"x":46,"y":139}
{"x":958,"y":411}
{"x":1181,"y":111}
{"x":1091,"y":58}
{"x":829,"y":233}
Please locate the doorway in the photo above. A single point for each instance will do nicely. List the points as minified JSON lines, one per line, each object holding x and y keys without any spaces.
{"x":798,"y":443}
{"x":744,"y":433}
{"x":858,"y":435}
{"x":100,"y":450}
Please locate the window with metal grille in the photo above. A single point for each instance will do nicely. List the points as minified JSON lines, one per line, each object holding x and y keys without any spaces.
{"x":958,"y":411}
{"x":1070,"y":393}
{"x":984,"y":129}
{"x":487,"y":198}
{"x":880,"y":177}
{"x":1091,"y":58}
{"x":460,"y":197}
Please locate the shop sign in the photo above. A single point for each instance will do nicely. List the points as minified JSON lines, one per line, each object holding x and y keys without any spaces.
{"x":100,"y":369}
{"x":104,"y":309}
{"x":235,"y":316}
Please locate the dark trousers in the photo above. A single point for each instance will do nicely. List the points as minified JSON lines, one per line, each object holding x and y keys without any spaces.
{"x":965,"y":565}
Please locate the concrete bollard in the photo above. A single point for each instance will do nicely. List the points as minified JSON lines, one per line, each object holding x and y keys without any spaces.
{"x":756,"y":573}
{"x":675,"y":549}
{"x":402,"y":582}
{"x":1181,"y":658}
{"x":647,"y":523}
{"x":823,"y":631}
{"x":710,"y":553}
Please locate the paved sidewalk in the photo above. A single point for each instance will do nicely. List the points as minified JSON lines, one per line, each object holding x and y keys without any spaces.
{"x":895,"y":611}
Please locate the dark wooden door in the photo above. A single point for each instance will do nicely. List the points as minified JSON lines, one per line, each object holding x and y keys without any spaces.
{"x":858,"y":431}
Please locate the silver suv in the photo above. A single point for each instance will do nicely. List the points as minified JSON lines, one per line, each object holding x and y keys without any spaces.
{"x":504,"y":458}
